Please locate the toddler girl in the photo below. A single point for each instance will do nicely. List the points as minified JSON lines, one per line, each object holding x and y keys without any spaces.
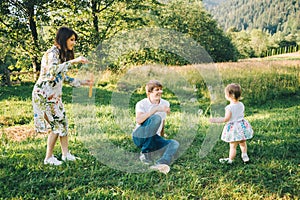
{"x":237,"y":129}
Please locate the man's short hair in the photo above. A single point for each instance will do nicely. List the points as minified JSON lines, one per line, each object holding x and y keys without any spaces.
{"x":152,"y":84}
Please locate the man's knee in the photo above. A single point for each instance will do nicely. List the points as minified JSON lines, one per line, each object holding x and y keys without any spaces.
{"x":155,"y":119}
{"x":175,"y":144}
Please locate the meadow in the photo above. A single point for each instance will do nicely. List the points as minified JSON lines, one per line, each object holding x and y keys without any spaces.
{"x":271,"y":95}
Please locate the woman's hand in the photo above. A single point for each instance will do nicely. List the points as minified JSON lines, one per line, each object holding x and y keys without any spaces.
{"x":86,"y":82}
{"x":79,"y":59}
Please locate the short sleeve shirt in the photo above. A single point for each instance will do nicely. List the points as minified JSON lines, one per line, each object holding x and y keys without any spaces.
{"x":145,"y":106}
{"x":237,"y":111}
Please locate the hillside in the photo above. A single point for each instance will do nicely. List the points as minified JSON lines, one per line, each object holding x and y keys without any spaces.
{"x":281,"y":57}
{"x":268,"y":15}
{"x":212,"y":3}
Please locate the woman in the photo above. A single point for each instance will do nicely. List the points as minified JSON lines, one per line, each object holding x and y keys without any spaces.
{"x":47,"y":103}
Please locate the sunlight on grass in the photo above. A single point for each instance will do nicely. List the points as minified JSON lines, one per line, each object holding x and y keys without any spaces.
{"x":14,"y":112}
{"x":102,"y":139}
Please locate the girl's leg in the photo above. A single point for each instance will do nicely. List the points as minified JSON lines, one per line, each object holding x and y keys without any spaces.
{"x":232,"y":151}
{"x":243,"y":146}
{"x":64,"y":145}
{"x":52,"y":137}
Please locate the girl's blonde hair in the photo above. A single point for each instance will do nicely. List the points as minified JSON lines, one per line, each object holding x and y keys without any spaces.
{"x":234,"y":91}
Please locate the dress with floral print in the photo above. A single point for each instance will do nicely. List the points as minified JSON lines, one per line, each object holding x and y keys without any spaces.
{"x":238,"y":128}
{"x":49,"y":112}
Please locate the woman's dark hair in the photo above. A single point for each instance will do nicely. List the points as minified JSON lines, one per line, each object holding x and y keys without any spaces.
{"x":62,"y":35}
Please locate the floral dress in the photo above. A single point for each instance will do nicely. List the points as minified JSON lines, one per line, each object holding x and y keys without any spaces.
{"x":49,"y":112}
{"x":238,"y":128}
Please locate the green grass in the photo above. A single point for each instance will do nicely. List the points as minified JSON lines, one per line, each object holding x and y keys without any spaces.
{"x":273,"y":172}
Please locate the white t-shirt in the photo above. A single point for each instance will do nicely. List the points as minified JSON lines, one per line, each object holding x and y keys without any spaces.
{"x":237,"y":111}
{"x":145,"y":106}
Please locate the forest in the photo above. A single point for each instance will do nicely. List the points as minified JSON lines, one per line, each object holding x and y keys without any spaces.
{"x":28,"y":27}
{"x":259,"y":28}
{"x":272,"y":16}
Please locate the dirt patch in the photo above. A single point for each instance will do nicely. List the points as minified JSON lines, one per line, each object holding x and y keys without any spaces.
{"x":20,"y":133}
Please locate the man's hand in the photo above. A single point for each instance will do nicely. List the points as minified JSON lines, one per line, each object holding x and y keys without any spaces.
{"x":160,"y":108}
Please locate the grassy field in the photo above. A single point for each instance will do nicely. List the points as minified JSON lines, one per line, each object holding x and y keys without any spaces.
{"x":272,"y":100}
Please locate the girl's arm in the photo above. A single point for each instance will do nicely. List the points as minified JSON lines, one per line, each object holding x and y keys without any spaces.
{"x":222,"y":119}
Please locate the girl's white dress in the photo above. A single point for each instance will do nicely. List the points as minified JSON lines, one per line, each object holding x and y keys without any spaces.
{"x":238,"y":128}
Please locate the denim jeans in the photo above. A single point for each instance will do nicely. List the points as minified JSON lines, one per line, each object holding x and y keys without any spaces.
{"x":145,"y":137}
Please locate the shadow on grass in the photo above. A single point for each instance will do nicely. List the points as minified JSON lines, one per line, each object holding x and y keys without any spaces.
{"x":22,"y":91}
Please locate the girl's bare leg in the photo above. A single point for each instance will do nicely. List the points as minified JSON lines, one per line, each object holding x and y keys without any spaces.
{"x":232,"y":151}
{"x":243,"y":146}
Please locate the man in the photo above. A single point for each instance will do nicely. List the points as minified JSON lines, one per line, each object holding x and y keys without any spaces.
{"x":151,"y":113}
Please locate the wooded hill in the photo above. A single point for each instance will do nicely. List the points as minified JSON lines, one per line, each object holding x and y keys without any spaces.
{"x":268,"y":15}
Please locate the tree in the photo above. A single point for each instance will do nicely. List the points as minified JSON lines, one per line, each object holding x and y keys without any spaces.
{"x":22,"y":29}
{"x":30,"y":26}
{"x":259,"y":42}
{"x":193,"y":19}
{"x":242,"y":41}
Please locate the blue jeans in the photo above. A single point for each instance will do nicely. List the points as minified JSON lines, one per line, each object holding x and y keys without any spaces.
{"x":145,"y":137}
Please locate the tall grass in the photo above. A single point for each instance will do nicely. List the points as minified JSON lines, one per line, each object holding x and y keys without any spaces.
{"x":271,"y":95}
{"x":265,"y":80}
